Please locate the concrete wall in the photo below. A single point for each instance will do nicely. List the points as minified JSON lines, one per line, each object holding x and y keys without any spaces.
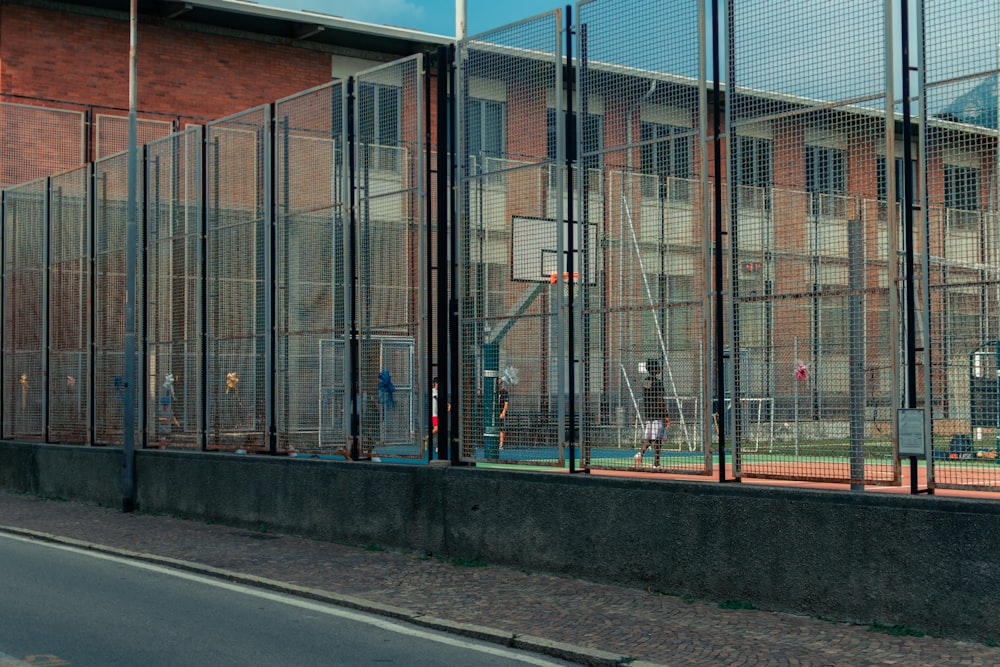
{"x":928,"y":562}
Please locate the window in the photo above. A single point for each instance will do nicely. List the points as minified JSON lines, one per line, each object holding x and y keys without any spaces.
{"x":753,"y":171}
{"x":665,"y":155}
{"x":966,"y":316}
{"x":961,"y":188}
{"x":883,"y":184}
{"x":834,"y":322}
{"x":825,"y":177}
{"x":753,"y":161}
{"x":486,"y":125}
{"x":679,"y":316}
{"x":378,"y":115}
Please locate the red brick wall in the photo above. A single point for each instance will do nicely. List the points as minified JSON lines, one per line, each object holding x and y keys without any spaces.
{"x":84,"y":59}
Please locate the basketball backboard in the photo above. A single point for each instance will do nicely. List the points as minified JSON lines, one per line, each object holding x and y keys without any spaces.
{"x":535,"y":249}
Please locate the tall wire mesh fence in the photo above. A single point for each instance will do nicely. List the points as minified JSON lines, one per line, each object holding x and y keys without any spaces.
{"x":25,"y":241}
{"x":110,"y":220}
{"x":586,"y":251}
{"x":310,"y":299}
{"x":512,"y":221}
{"x":961,"y":236}
{"x":70,"y":316}
{"x":37,"y":142}
{"x":809,"y":371}
{"x":390,"y":217}
{"x":236,"y":225}
{"x":641,"y":252}
{"x":174,"y":319}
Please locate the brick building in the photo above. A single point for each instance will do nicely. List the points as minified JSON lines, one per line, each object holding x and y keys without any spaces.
{"x":196,"y":61}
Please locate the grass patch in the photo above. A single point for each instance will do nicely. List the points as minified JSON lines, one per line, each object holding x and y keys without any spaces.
{"x":467,"y":562}
{"x":374,"y":547}
{"x":688,"y":598}
{"x":736,"y":604}
{"x":898,"y":630}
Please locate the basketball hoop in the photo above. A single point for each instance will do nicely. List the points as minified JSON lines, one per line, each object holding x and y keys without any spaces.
{"x":555,"y":276}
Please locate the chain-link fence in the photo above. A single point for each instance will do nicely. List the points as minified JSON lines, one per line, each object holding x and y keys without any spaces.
{"x":288,"y":276}
{"x":389,"y":247}
{"x":512,"y":203}
{"x":961,"y":237}
{"x":174,"y":317}
{"x":641,"y":190}
{"x":25,"y":245}
{"x":810,"y":369}
{"x":310,"y":224}
{"x":70,"y":316}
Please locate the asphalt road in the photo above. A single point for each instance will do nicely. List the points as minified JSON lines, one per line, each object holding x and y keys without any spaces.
{"x":65,"y":606}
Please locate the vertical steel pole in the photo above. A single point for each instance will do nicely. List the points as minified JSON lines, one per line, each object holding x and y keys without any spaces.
{"x":91,"y":388}
{"x":351,"y":259}
{"x":142,"y":262}
{"x":203,"y":392}
{"x":910,"y":347}
{"x":911,"y":351}
{"x":3,"y":298}
{"x":925,"y":235}
{"x":269,"y":169}
{"x":720,"y":362}
{"x":443,"y":304}
{"x":46,"y":286}
{"x":571,"y":153}
{"x":128,"y":396}
{"x":706,"y":215}
{"x":428,"y":255}
{"x":461,"y":16}
{"x":452,"y":202}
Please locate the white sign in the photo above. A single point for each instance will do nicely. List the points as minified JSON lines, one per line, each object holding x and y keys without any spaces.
{"x":911,"y":432}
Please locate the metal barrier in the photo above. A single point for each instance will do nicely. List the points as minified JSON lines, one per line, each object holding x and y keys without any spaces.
{"x":959,"y":318}
{"x":174,"y":291}
{"x":390,"y":243}
{"x":238,"y":276}
{"x":26,"y":209}
{"x":806,"y":280}
{"x":780,"y":303}
{"x":310,"y":283}
{"x":38,"y":142}
{"x":70,"y":316}
{"x":512,"y":226}
{"x":642,"y":188}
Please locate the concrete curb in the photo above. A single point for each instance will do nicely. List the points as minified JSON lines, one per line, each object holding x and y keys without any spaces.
{"x":578,"y":654}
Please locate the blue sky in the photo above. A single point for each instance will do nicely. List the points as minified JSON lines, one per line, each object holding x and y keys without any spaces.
{"x":434,"y":16}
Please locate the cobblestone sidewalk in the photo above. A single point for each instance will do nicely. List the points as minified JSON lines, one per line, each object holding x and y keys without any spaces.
{"x":579,"y":620}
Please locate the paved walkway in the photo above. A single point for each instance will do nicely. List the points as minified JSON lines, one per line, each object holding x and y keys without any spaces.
{"x":591,"y":623}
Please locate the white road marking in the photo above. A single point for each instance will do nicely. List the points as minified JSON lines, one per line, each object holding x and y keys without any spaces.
{"x":328,"y":609}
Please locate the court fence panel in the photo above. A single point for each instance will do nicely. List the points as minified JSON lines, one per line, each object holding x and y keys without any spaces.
{"x":511,"y":225}
{"x":812,"y":269}
{"x":957,"y":242}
